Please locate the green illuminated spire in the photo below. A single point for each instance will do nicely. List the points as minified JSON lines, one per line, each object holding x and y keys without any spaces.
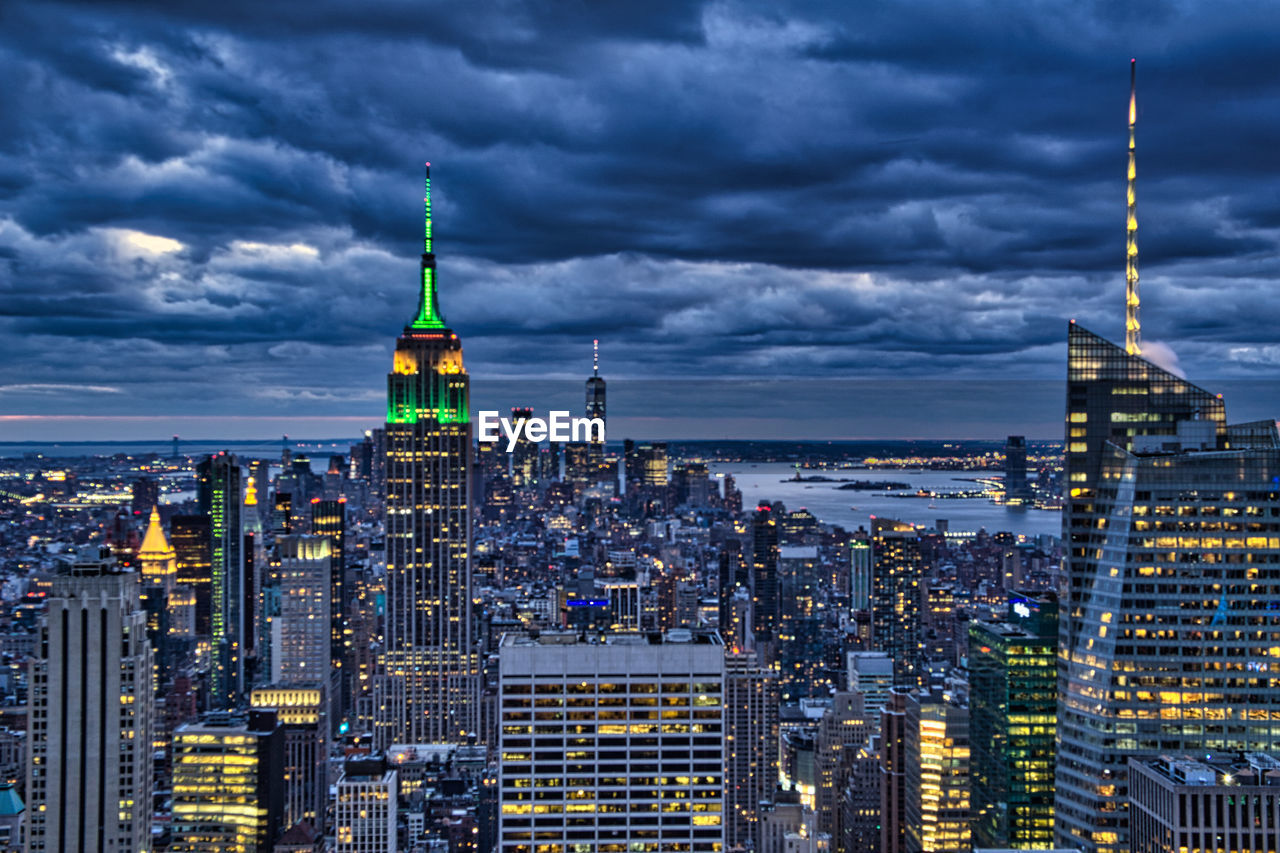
{"x":429,"y":316}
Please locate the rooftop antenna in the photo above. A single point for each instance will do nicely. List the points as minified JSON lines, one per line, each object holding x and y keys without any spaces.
{"x":595,"y":356}
{"x":1132,"y":328}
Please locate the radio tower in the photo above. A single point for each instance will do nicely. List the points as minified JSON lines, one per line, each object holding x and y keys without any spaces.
{"x":1132,"y":328}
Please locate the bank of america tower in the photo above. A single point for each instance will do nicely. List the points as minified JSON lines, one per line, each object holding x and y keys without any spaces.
{"x":425,"y":692}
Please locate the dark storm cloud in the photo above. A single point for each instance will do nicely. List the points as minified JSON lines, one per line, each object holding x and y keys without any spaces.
{"x":213,"y":206}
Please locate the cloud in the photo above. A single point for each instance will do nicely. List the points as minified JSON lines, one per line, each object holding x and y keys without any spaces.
{"x":225,"y":197}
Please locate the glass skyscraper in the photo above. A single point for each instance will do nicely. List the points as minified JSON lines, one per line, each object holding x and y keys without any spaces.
{"x":426,"y":692}
{"x":1170,"y":639}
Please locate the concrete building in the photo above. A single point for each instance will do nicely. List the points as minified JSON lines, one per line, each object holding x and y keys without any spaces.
{"x":364,"y":812}
{"x":751,"y":745}
{"x":90,"y":725}
{"x":1205,"y":804}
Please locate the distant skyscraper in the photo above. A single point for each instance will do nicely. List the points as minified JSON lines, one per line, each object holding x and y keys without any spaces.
{"x":893,"y":772}
{"x":1013,"y":714}
{"x":1016,"y":487}
{"x":595,"y":409}
{"x":298,"y":617}
{"x":90,"y":727}
{"x":192,"y":548}
{"x":218,"y":491}
{"x":228,"y":791}
{"x":640,"y":734}
{"x":524,"y":457}
{"x":860,"y":571}
{"x":764,"y":577}
{"x":843,"y":730}
{"x":897,"y":597}
{"x":430,"y":667}
{"x":329,"y":519}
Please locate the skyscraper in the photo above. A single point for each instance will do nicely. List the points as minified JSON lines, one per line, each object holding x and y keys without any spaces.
{"x":764,"y":579}
{"x":595,"y":409}
{"x":1166,"y":636}
{"x":937,"y":777}
{"x":1012,"y":723}
{"x":301,"y":710}
{"x":636,"y":753}
{"x":364,"y":813}
{"x":751,"y":745}
{"x":218,"y":492}
{"x":1016,"y":488}
{"x":227,"y":791}
{"x":897,"y":597}
{"x":189,"y":535}
{"x":297,"y":617}
{"x":329,"y":519}
{"x":90,"y":714}
{"x":426,"y":693}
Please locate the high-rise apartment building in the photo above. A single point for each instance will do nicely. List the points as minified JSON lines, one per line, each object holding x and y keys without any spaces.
{"x":228,"y":791}
{"x":218,"y":493}
{"x":1012,"y":724}
{"x":90,"y":725}
{"x":751,"y":745}
{"x":616,"y":744}
{"x":1167,"y":628}
{"x":430,"y":667}
{"x":897,"y":598}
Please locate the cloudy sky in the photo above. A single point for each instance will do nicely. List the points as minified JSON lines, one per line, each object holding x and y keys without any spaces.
{"x":210,"y":211}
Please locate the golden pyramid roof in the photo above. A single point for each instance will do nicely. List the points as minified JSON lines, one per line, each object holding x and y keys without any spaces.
{"x":155,"y":545}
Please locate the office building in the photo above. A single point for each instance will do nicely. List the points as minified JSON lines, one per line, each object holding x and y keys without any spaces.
{"x":90,"y":725}
{"x":1012,"y":724}
{"x":301,"y":710}
{"x":634,"y":761}
{"x":893,"y":772}
{"x":364,"y":810}
{"x":937,"y":774}
{"x":871,"y":674}
{"x":298,"y":610}
{"x":843,"y":729}
{"x":427,"y":690}
{"x":1016,"y":488}
{"x":1205,"y":803}
{"x":860,"y":576}
{"x":1164,"y":638}
{"x":191,"y":541}
{"x":329,"y":519}
{"x":219,"y":496}
{"x":751,"y":745}
{"x":227,"y":784}
{"x":897,"y":598}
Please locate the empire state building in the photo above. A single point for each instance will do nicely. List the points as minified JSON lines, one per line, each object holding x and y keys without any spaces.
{"x":426,"y":689}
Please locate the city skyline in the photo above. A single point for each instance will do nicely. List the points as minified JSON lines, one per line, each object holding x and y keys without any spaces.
{"x":834,"y":236}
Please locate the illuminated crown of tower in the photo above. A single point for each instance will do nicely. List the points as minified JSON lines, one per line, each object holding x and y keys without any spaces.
{"x":429,"y":316}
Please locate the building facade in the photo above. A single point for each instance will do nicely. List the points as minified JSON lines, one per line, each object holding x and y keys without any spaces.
{"x":427,"y":689}
{"x":90,"y":725}
{"x":617,"y":745}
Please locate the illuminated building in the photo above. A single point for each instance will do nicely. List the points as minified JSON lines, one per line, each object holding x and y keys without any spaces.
{"x":228,"y":791}
{"x":156,"y":559}
{"x":751,"y":745}
{"x":430,"y":668}
{"x":298,"y":613}
{"x":897,"y":595}
{"x":218,"y":493}
{"x":937,"y":774}
{"x":329,"y":519}
{"x":788,"y":825}
{"x":615,"y":744}
{"x":1205,"y":803}
{"x":844,"y":728}
{"x":524,"y":456}
{"x":764,"y":579}
{"x":364,"y":811}
{"x":189,"y":535}
{"x":1012,"y":724}
{"x":302,"y":713}
{"x":893,"y":772}
{"x":90,"y":725}
{"x":170,"y":608}
{"x":1167,"y":644}
{"x":595,"y":409}
{"x":860,"y":572}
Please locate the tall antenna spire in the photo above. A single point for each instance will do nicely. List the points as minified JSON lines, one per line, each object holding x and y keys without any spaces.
{"x":595,"y":357}
{"x":429,"y":316}
{"x":1132,"y":328}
